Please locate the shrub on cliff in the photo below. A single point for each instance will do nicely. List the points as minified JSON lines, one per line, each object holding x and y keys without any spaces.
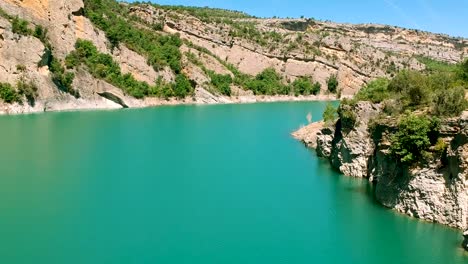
{"x":305,"y":86}
{"x":222,"y":82}
{"x":412,"y":88}
{"x":330,"y":114}
{"x":9,"y":94}
{"x":347,"y":115}
{"x":267,"y":82}
{"x":182,"y":86}
{"x":413,"y":138}
{"x":29,"y":90}
{"x":20,"y":26}
{"x":376,"y":91}
{"x":450,"y":102}
{"x":332,"y":83}
{"x":161,"y":50}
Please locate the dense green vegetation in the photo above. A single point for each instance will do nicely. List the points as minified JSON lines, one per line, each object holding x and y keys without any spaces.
{"x":268,"y":82}
{"x":433,"y":66}
{"x":9,"y":94}
{"x":376,"y":91}
{"x":415,"y":103}
{"x":332,"y":83}
{"x":415,"y":135}
{"x":330,"y":114}
{"x":347,"y":115}
{"x":20,"y":26}
{"x":305,"y":86}
{"x":222,"y":82}
{"x":102,"y":66}
{"x":440,"y":93}
{"x":161,"y":50}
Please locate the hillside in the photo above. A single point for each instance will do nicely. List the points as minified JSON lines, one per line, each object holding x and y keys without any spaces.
{"x":66,"y":55}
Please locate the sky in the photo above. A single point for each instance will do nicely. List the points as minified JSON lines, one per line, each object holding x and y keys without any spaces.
{"x":439,"y":16}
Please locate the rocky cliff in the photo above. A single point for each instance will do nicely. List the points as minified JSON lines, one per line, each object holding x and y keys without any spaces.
{"x":220,"y":43}
{"x":436,"y":191}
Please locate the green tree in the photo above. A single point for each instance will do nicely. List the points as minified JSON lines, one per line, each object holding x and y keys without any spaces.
{"x":8,"y":93}
{"x":347,"y":115}
{"x":413,"y":138}
{"x":221,"y":82}
{"x":330,"y":114}
{"x":450,"y":102}
{"x":182,"y":86}
{"x":376,"y":91}
{"x":332,"y":83}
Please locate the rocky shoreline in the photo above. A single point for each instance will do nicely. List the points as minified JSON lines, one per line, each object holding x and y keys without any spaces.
{"x":436,"y":192}
{"x":101,"y":103}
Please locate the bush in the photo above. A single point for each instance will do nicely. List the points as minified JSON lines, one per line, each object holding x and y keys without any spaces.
{"x":20,"y":26}
{"x":40,"y":33}
{"x":161,"y":50}
{"x":62,"y":78}
{"x":450,"y":102}
{"x":412,"y":87}
{"x":462,"y":71}
{"x":330,"y":114}
{"x":29,"y":90}
{"x":376,"y":91}
{"x":8,"y":93}
{"x":305,"y":86}
{"x":221,"y":82}
{"x":268,"y":82}
{"x":347,"y":116}
{"x":182,"y":86}
{"x":414,"y":137}
{"x":332,"y":83}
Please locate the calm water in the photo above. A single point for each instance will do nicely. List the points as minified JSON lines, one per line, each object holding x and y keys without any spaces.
{"x":192,"y":184}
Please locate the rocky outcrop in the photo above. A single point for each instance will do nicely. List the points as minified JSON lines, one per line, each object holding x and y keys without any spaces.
{"x":351,"y":148}
{"x":308,"y":134}
{"x":436,"y":191}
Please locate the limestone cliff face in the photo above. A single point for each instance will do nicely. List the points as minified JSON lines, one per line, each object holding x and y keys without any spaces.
{"x":355,"y":53}
{"x":436,"y":192}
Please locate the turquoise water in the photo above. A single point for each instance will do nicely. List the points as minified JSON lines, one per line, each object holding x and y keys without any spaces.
{"x":192,"y":184}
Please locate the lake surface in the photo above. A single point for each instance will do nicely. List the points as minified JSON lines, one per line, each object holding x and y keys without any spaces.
{"x":192,"y":184}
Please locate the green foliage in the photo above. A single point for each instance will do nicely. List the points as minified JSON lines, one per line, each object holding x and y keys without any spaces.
{"x":332,"y":83}
{"x":305,"y":86}
{"x":62,"y":78}
{"x":433,"y":66}
{"x":413,"y":89}
{"x":346,"y":114}
{"x":268,"y":82}
{"x":330,"y":114}
{"x":462,"y":71}
{"x":440,"y":146}
{"x":182,"y":86}
{"x":20,"y":26}
{"x":450,"y":102}
{"x":161,"y":50}
{"x":413,"y":138}
{"x":221,"y":82}
{"x":40,"y":33}
{"x":376,"y":91}
{"x":29,"y":90}
{"x":9,"y":94}
{"x":102,"y":66}
{"x":4,"y":14}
